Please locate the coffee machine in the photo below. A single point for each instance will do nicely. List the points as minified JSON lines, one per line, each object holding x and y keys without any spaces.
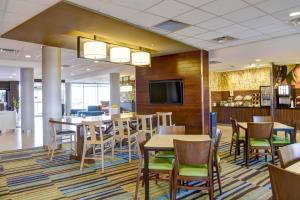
{"x":284,"y":96}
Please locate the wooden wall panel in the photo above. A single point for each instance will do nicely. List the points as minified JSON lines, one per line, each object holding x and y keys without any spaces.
{"x":185,"y":66}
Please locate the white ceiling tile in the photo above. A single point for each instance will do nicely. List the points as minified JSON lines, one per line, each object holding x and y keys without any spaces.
{"x":190,"y":31}
{"x":145,"y":19}
{"x":254,"y":1}
{"x":284,"y":15}
{"x":117,"y":11}
{"x":44,"y":2}
{"x":260,"y":21}
{"x":91,"y":4}
{"x":284,"y":32}
{"x":221,"y":7}
{"x":271,"y":6}
{"x":195,"y":3}
{"x":176,"y":36}
{"x":22,"y":7}
{"x":232,"y":29}
{"x":205,"y":44}
{"x":209,"y":35}
{"x":258,"y":38}
{"x":194,"y":17}
{"x":191,"y":40}
{"x":246,"y":34}
{"x":169,"y":9}
{"x":244,"y":14}
{"x":160,"y":31}
{"x":137,"y":4}
{"x":274,"y":28}
{"x":215,"y":23}
{"x":2,"y":5}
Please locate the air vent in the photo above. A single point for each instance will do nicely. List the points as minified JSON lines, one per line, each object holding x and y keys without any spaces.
{"x":295,"y":22}
{"x":214,"y":62}
{"x":10,"y":51}
{"x":224,"y":39}
{"x":66,"y":66}
{"x":171,"y":26}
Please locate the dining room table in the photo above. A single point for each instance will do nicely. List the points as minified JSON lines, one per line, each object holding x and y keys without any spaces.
{"x":164,"y":143}
{"x":277,"y":126}
{"x":294,"y":168}
{"x":77,"y":122}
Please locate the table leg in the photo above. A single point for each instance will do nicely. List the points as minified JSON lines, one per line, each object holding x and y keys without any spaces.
{"x":146,"y":173}
{"x":293,"y":136}
{"x":247,"y":148}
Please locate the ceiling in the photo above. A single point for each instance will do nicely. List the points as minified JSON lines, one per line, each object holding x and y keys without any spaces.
{"x":260,"y":26}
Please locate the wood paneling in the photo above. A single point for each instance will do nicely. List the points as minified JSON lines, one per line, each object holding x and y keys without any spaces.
{"x":287,"y":115}
{"x":185,"y":66}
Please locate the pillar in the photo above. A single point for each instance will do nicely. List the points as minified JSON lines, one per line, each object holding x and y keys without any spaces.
{"x":51,"y":79}
{"x":68,"y":97}
{"x":27,"y":100}
{"x":115,"y":92}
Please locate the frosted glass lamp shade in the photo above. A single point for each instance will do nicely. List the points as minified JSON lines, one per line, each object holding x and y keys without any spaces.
{"x":141,"y":58}
{"x":94,"y":50}
{"x":120,"y":54}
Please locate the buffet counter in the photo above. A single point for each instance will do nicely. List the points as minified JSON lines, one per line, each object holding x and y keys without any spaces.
{"x":241,"y":114}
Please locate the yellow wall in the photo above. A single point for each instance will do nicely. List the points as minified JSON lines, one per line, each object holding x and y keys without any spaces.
{"x":249,"y":79}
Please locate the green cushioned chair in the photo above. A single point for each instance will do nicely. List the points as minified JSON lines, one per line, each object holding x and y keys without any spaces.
{"x":259,"y":142}
{"x":165,"y":154}
{"x":238,"y":138}
{"x":161,"y":163}
{"x":193,"y":170}
{"x":279,"y":141}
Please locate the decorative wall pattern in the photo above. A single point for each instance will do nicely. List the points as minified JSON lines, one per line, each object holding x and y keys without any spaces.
{"x":249,"y":79}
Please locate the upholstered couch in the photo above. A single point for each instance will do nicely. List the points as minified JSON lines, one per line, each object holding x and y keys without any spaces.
{"x":93,"y":110}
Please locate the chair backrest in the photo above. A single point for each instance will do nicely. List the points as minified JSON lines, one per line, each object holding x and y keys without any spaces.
{"x":263,"y":119}
{"x":235,"y":128}
{"x":260,"y":130}
{"x":144,"y":122}
{"x":193,"y":153}
{"x":289,"y":154}
{"x":171,"y":130}
{"x":285,"y":184}
{"x":120,"y":126}
{"x":217,"y":140}
{"x":164,"y":118}
{"x":141,"y":141}
{"x":89,"y":129}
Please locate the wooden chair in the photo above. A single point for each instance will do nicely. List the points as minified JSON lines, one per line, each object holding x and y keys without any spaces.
{"x":285,"y":184}
{"x":193,"y":162}
{"x":259,"y":138}
{"x":289,"y":155}
{"x":171,"y":130}
{"x":263,"y":119}
{"x":156,"y":166}
{"x":94,"y":139}
{"x":237,"y":139}
{"x":217,"y":159}
{"x":58,"y":136}
{"x":122,"y":130}
{"x":164,"y":119}
{"x":144,"y":123}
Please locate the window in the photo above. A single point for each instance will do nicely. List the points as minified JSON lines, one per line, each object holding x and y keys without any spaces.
{"x":77,"y":96}
{"x":90,"y":95}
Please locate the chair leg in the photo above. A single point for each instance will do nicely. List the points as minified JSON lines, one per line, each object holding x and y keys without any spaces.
{"x":102,"y":155}
{"x":218,"y":176}
{"x":129,"y":149}
{"x":171,"y":183}
{"x":231,"y":147}
{"x":83,"y":156}
{"x":138,"y":181}
{"x":94,"y":149}
{"x":266,"y":156}
{"x":211,"y":187}
{"x":52,"y":154}
{"x":272,"y":151}
{"x":237,"y":146}
{"x":113,"y":149}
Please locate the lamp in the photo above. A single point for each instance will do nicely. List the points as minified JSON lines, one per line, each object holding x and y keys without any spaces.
{"x":94,"y":50}
{"x":120,"y":54}
{"x":140,"y":58}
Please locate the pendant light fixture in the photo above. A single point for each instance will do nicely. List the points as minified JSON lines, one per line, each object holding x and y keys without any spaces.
{"x":140,"y":58}
{"x":120,"y":54}
{"x":94,"y":50}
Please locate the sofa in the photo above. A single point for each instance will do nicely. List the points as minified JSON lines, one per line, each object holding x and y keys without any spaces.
{"x":93,"y":110}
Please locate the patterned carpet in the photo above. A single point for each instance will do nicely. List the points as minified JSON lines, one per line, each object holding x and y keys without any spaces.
{"x":29,"y":174}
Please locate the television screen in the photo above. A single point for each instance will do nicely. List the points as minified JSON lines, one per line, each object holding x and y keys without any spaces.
{"x":167,"y":91}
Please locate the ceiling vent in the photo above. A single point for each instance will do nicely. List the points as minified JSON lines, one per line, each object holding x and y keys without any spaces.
{"x":214,"y":62}
{"x":224,"y":39}
{"x":9,"y":51}
{"x":171,"y":26}
{"x":66,"y":66}
{"x":295,"y":22}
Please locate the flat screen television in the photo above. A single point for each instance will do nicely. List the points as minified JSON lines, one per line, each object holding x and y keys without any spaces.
{"x":166,"y":91}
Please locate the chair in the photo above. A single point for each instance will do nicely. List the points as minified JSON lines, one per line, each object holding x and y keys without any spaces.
{"x":94,"y":139}
{"x":164,"y":119}
{"x":156,"y":166}
{"x":144,"y":123}
{"x":237,"y":138}
{"x":263,"y":119}
{"x":289,"y":155}
{"x":193,"y":162}
{"x":171,"y":130}
{"x":123,"y":131}
{"x":59,"y":136}
{"x":217,"y":159}
{"x":285,"y":184}
{"x":259,"y":138}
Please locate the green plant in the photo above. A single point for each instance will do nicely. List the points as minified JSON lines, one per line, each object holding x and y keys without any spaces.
{"x":16,"y":104}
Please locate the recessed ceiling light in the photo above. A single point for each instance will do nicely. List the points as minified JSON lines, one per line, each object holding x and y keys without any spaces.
{"x":88,"y":69}
{"x":28,"y":56}
{"x":294,"y":14}
{"x":257,"y":60}
{"x":96,"y":61}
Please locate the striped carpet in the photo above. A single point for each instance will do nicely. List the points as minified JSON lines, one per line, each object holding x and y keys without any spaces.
{"x":29,"y":174}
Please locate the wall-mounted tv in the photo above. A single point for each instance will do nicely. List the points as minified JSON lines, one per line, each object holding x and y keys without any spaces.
{"x":166,"y":91}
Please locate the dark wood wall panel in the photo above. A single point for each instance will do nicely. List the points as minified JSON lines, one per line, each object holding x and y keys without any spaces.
{"x":287,"y":115}
{"x":185,"y":66}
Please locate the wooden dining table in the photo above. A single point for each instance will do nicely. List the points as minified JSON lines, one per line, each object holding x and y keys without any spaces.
{"x":77,"y":121}
{"x":277,"y":126}
{"x":164,"y":143}
{"x":294,"y":168}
